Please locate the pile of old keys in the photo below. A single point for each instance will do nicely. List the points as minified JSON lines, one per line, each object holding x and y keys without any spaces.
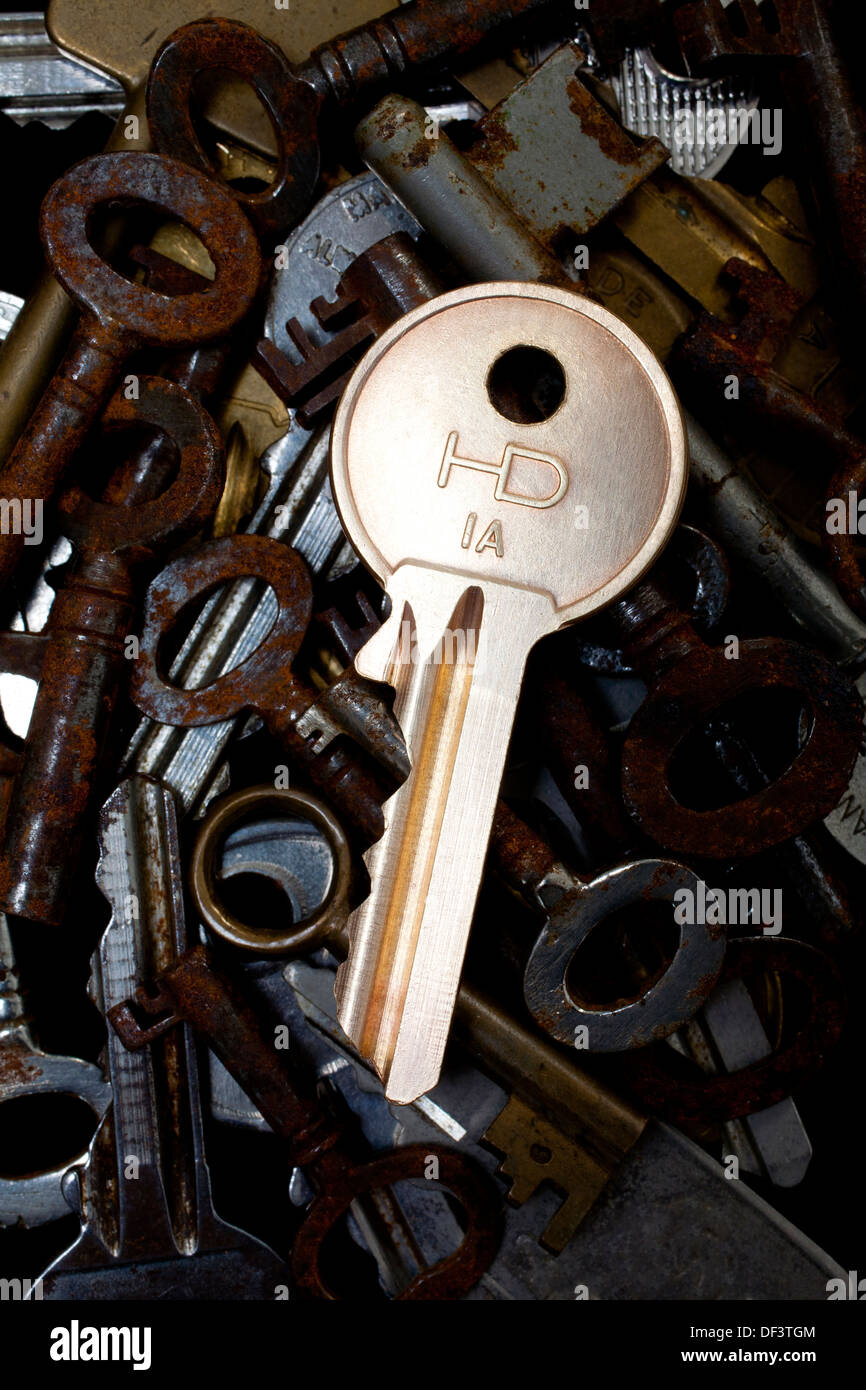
{"x":434,"y":629}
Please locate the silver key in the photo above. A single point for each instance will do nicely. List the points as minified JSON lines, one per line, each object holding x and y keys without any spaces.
{"x":149,"y":1228}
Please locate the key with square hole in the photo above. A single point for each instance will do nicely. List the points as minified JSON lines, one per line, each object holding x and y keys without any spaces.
{"x":507,"y":459}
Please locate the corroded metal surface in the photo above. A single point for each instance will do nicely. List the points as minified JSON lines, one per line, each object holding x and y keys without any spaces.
{"x":801,"y":39}
{"x":194,"y":990}
{"x":119,"y":316}
{"x":666,"y":1085}
{"x":228,"y":46}
{"x":85,"y":660}
{"x":264,"y":682}
{"x":690,"y":682}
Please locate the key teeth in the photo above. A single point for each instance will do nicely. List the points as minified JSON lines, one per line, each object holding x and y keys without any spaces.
{"x":343,"y":969}
{"x":351,"y":1026}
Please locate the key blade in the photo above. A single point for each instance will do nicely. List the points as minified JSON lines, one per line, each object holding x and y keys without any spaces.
{"x":457,"y":675}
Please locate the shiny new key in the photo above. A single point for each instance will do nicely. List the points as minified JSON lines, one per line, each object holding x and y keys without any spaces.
{"x":507,"y":459}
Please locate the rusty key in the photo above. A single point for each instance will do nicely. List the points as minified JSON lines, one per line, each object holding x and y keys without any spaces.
{"x":668,"y":1085}
{"x":84,"y":639}
{"x":822,"y":893}
{"x":119,"y":316}
{"x":360,"y":64}
{"x":264,"y":681}
{"x":196,"y":991}
{"x":691,"y":682}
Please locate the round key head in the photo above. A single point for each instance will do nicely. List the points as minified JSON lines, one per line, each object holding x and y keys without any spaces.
{"x":516,"y":433}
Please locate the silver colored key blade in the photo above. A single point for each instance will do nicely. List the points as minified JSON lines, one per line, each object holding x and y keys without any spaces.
{"x":39,"y":83}
{"x":770,"y":1143}
{"x":149,"y":1228}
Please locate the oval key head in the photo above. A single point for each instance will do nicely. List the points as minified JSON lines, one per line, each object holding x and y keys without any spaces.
{"x":517,"y":433}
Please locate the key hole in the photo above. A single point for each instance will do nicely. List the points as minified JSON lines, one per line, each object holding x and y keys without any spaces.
{"x":415,"y":1226}
{"x":623,"y":957}
{"x":42,"y":1132}
{"x":769,"y":17}
{"x":242,"y":170}
{"x":526,"y":385}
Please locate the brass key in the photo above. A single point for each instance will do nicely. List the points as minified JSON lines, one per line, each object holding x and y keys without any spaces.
{"x":507,"y":459}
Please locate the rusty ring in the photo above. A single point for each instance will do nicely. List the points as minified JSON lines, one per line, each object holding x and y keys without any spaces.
{"x":313,"y":931}
{"x":206,"y":207}
{"x":292,"y":105}
{"x":448,"y":1278}
{"x":189,"y":500}
{"x":669,"y":1003}
{"x":663,"y":1080}
{"x":694,"y":688}
{"x":266,"y":670}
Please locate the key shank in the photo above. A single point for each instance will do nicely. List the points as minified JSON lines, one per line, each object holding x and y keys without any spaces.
{"x":455,"y":654}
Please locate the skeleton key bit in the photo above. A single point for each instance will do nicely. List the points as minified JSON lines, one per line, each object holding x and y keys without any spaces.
{"x":120,"y":316}
{"x":561,"y":404}
{"x":84,"y":663}
{"x":27,"y":1071}
{"x":149,"y":1227}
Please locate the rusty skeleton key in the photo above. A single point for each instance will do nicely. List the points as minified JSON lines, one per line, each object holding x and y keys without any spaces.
{"x":84,"y":648}
{"x":354,"y":66}
{"x":119,"y":316}
{"x":196,"y":991}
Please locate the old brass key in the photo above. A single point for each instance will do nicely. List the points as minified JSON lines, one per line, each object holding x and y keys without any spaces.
{"x":507,"y":459}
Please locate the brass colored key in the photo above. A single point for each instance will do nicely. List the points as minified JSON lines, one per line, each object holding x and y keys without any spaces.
{"x":507,"y":459}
